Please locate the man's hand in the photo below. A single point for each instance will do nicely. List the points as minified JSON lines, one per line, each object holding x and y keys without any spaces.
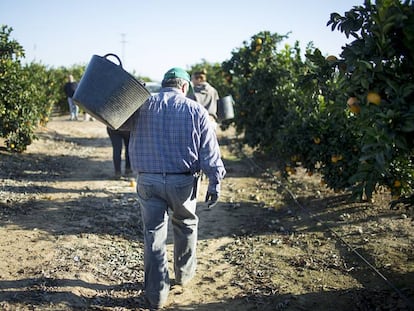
{"x":211,"y":199}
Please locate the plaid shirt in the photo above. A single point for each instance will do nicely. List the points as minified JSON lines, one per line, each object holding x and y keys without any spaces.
{"x":172,"y":134}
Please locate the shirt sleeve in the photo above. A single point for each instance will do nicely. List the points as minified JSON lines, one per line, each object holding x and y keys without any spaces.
{"x":210,"y":156}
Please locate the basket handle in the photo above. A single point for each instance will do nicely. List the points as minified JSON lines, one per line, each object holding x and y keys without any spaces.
{"x":111,"y":54}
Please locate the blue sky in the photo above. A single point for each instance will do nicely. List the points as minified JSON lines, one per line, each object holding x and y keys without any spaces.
{"x":160,"y":34}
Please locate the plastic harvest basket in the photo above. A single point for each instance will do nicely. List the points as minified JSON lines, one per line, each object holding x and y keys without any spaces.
{"x":109,"y":93}
{"x":225,"y":109}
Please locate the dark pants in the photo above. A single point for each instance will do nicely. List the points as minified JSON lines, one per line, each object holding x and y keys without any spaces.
{"x":117,"y":139}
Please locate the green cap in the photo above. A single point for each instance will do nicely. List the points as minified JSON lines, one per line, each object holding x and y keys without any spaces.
{"x":177,"y":72}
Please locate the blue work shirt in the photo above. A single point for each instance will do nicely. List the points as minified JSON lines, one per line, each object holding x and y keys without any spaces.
{"x":171,"y":133}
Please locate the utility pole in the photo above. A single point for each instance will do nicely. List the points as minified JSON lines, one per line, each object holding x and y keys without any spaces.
{"x":123,"y":42}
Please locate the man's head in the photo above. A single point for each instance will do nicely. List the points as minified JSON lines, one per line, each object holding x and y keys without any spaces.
{"x":199,"y":77}
{"x":178,"y":78}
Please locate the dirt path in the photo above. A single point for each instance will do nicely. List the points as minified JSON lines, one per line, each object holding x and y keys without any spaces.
{"x":70,"y":237}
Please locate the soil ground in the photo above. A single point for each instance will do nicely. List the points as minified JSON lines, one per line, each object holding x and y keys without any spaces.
{"x":70,"y":236}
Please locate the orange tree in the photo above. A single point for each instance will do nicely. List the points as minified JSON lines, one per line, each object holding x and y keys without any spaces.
{"x":262,"y":78}
{"x":363,"y":121}
{"x":23,"y":96}
{"x":286,"y":107}
{"x":331,"y":145}
{"x":376,"y":76}
{"x":283,"y":114}
{"x":12,"y":94}
{"x":350,"y":118}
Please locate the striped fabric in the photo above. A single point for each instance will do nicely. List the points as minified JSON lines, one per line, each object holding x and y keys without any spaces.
{"x":172,"y":134}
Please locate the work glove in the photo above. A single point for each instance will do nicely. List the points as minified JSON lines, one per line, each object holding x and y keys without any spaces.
{"x":211,"y":199}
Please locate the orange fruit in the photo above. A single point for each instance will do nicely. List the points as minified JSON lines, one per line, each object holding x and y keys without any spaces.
{"x":317,"y":140}
{"x":335,"y":158}
{"x":353,"y":105}
{"x":374,"y":98}
{"x":352,"y":100}
{"x":331,"y":58}
{"x":397,"y":184}
{"x":355,"y":108}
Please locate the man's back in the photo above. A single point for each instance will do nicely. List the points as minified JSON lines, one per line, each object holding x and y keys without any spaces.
{"x":174,"y":128}
{"x":70,"y":88}
{"x":207,"y":96}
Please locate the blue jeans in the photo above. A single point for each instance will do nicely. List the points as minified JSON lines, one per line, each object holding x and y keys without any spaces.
{"x":157,"y":193}
{"x":73,"y":109}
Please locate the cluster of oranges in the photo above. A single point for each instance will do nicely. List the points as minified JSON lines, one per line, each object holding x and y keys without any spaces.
{"x":353,"y":102}
{"x":372,"y":98}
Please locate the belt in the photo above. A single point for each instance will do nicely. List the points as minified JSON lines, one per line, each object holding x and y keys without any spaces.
{"x":180,"y":173}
